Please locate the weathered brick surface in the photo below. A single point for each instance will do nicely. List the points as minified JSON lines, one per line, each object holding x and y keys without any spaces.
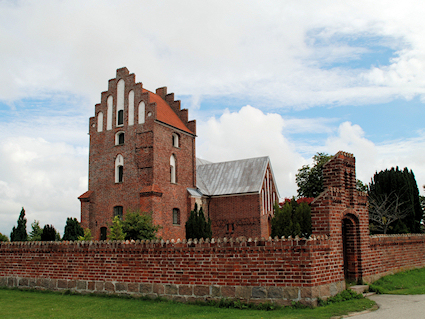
{"x":146,"y":150}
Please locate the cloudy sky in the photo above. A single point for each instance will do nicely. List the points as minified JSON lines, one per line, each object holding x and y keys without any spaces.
{"x":285,"y":79}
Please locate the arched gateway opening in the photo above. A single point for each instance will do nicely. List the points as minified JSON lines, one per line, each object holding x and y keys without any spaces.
{"x":351,"y":247}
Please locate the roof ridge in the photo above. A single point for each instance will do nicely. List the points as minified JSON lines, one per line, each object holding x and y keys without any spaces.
{"x":239,"y":160}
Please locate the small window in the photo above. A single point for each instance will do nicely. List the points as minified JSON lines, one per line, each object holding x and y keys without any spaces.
{"x":120,"y":120}
{"x":173,"y":174}
{"x":230,"y":228}
{"x":119,"y":138}
{"x":103,"y":231}
{"x":99,"y":122}
{"x":119,"y":169}
{"x":118,"y":211}
{"x":176,"y":216}
{"x":175,"y":140}
{"x":120,"y":173}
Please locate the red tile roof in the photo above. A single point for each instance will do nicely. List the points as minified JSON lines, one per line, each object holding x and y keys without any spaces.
{"x":165,"y":114}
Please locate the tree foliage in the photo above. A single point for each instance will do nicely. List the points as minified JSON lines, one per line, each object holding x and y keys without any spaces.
{"x":115,"y":231}
{"x":3,"y":237}
{"x":19,"y":233}
{"x":396,"y":192}
{"x":87,"y":235}
{"x":140,"y":226}
{"x":35,"y":233}
{"x":49,"y":233}
{"x":72,"y":230}
{"x":291,"y":219}
{"x":310,"y":179}
{"x":196,"y":226}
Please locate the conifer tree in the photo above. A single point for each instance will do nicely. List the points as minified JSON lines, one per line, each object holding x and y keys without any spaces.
{"x":35,"y":233}
{"x":394,"y":202}
{"x":72,"y":230}
{"x":49,"y":233}
{"x":196,"y":226}
{"x":115,"y":231}
{"x":19,"y":233}
{"x":292,"y":219}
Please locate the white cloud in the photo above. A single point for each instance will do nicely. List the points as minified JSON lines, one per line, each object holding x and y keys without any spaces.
{"x":266,"y":50}
{"x":251,"y":133}
{"x":45,"y":178}
{"x":371,"y":157}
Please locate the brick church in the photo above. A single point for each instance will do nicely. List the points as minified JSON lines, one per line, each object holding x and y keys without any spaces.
{"x":142,"y":157}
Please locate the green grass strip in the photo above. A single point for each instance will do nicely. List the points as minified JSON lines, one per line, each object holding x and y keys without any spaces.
{"x":411,"y":282}
{"x":35,"y":304}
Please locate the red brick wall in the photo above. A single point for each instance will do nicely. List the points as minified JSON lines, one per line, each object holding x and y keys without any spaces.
{"x":234,"y":216}
{"x":278,"y":270}
{"x":392,"y":253}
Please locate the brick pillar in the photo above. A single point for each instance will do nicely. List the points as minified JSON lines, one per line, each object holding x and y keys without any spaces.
{"x":341,"y":204}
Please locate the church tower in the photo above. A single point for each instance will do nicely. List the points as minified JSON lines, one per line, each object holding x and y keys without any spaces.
{"x":142,"y":157}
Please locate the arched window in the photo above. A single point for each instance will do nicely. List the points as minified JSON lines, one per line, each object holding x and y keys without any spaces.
{"x":175,"y":140}
{"x":119,"y":138}
{"x":120,"y":102}
{"x":118,"y":211}
{"x":100,"y":122}
{"x":119,"y":169}
{"x":120,"y":118}
{"x":176,"y":216}
{"x":109,"y":103}
{"x":131,"y":108}
{"x":141,"y":112}
{"x":103,"y":231}
{"x":173,"y":178}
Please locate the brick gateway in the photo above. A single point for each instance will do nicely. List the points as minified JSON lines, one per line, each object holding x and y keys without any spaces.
{"x":277,"y":270}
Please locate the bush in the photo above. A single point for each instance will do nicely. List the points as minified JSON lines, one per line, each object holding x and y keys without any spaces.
{"x":342,"y":296}
{"x":3,"y":237}
{"x":87,"y":235}
{"x":140,"y":226}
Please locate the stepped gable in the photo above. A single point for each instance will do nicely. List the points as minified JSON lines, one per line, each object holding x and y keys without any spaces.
{"x":168,"y":110}
{"x":165,"y":114}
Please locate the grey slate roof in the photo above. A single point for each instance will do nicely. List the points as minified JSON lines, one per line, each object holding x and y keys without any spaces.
{"x":234,"y":177}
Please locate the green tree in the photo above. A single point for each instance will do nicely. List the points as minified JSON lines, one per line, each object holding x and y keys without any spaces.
{"x":72,"y":230}
{"x":291,"y":219}
{"x":196,"y":226}
{"x":3,"y":237}
{"x":360,"y":186}
{"x":49,"y":233}
{"x":138,"y":225}
{"x":87,"y":235}
{"x":19,"y":233}
{"x":310,"y":179}
{"x":397,"y":191}
{"x":35,"y":233}
{"x":115,"y":231}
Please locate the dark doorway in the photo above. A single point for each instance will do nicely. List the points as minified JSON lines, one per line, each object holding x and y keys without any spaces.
{"x":103,"y":233}
{"x":351,"y":246}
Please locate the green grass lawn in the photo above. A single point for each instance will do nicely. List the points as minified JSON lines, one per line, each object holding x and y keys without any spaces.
{"x":36,"y":304}
{"x":410,"y":282}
